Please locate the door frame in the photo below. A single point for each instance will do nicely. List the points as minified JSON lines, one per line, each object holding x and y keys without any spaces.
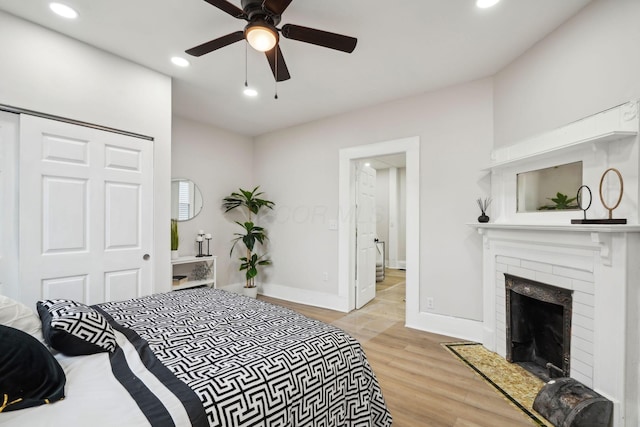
{"x":346,"y":231}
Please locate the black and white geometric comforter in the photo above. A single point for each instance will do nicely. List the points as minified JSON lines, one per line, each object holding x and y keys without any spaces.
{"x":252,"y":363}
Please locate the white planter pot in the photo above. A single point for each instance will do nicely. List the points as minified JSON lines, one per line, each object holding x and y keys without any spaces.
{"x":174,"y":254}
{"x":250,"y":292}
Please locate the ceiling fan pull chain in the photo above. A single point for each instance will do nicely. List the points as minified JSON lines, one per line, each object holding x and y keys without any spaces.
{"x":276,"y":79}
{"x":246,"y":84}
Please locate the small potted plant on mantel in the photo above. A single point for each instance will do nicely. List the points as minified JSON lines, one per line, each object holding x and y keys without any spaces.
{"x":174,"y":238}
{"x":251,"y":204}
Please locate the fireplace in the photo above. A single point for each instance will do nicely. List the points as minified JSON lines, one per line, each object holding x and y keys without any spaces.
{"x":596,"y":264}
{"x":538,"y":327}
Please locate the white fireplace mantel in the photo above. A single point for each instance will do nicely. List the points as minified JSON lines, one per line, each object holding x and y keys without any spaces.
{"x":598,"y":263}
{"x":608,"y":139}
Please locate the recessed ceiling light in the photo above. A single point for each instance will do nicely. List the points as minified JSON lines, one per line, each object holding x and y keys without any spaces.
{"x":483,"y":4}
{"x":180,"y":62}
{"x":63,"y":10}
{"x":250,"y":92}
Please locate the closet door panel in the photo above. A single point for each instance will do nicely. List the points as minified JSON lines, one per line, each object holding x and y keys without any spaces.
{"x":86,"y":199}
{"x":122,"y":216}
{"x":64,"y":221}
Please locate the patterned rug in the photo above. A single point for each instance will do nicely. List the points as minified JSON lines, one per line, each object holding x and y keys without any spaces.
{"x":516,"y":384}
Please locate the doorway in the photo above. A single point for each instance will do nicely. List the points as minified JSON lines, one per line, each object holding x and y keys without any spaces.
{"x":387,"y":211}
{"x":410,"y":148}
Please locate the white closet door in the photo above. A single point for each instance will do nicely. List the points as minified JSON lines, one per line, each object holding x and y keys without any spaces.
{"x":86,"y":219}
{"x":9,"y":204}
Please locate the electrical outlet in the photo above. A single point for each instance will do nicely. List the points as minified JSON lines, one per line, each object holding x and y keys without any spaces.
{"x":325,"y":276}
{"x":430,"y":303}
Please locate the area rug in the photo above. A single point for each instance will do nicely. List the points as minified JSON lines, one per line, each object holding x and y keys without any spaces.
{"x":513,"y":382}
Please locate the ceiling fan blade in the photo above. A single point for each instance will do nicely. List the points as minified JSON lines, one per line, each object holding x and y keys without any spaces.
{"x":283,"y":71}
{"x":212,"y":45}
{"x":319,"y":37}
{"x":277,"y":6}
{"x":225,"y":6}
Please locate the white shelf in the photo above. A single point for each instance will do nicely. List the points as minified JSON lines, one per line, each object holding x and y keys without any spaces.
{"x":516,"y":157}
{"x":192,"y":259}
{"x":185,"y":260}
{"x":588,"y":228}
{"x":606,"y":126}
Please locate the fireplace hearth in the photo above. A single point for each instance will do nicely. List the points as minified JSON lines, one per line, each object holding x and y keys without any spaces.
{"x":538,"y":327}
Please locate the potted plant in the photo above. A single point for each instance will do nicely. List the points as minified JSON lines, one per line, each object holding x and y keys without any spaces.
{"x":250,"y":203}
{"x":174,"y":238}
{"x":561,"y":202}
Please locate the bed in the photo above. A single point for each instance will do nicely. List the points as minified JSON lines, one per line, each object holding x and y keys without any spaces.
{"x":207,"y":357}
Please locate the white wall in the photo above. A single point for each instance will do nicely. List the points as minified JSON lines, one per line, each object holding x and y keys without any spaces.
{"x":47,"y":72}
{"x":390,"y":227}
{"x":382,"y":209}
{"x":299,"y":169}
{"x":402,"y":214}
{"x":218,"y":162}
{"x":589,"y":64}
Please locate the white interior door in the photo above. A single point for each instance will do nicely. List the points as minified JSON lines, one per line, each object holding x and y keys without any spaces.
{"x":366,"y":235}
{"x":86,"y":200}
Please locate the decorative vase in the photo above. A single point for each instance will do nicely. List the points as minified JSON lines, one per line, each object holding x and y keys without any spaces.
{"x":483,"y":218}
{"x":174,"y":254}
{"x":250,"y":292}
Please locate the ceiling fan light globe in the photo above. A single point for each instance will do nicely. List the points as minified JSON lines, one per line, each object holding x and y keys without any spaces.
{"x":261,"y":38}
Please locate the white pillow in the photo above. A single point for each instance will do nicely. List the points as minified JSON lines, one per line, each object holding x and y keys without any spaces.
{"x":19,"y":316}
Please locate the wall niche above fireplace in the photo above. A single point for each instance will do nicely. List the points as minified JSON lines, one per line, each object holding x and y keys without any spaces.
{"x":542,"y":189}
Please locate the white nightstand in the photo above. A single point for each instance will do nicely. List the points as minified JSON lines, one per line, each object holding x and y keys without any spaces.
{"x":184,"y":266}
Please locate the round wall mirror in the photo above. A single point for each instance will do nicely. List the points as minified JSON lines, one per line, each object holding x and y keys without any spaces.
{"x":186,"y":199}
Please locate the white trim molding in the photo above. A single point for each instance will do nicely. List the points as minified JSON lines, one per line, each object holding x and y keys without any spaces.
{"x":346,"y":230}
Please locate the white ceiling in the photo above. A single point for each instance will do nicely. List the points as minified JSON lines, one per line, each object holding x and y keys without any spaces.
{"x":405,"y":47}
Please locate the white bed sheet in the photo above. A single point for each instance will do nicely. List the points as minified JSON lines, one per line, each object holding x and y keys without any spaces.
{"x":95,"y":398}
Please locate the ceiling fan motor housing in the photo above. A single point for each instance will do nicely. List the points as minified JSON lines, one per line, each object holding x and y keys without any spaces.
{"x":255,"y":11}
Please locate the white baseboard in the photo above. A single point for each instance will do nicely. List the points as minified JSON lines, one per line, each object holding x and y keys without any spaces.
{"x":465,"y":329}
{"x":397,"y":265}
{"x":303,"y":296}
{"x":458,"y":328}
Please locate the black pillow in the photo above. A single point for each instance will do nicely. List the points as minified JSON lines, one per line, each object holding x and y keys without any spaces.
{"x":75,"y":329}
{"x":29,"y":374}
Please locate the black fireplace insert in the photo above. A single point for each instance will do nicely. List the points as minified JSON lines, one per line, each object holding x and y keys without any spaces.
{"x":538,"y":327}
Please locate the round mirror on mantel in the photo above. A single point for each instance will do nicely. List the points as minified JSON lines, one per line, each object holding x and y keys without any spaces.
{"x":186,"y":199}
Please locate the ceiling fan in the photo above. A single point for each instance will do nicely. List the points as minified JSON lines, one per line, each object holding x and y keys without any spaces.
{"x":261,"y":33}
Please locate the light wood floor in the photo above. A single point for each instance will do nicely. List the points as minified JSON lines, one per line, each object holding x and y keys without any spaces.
{"x":423,"y":384}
